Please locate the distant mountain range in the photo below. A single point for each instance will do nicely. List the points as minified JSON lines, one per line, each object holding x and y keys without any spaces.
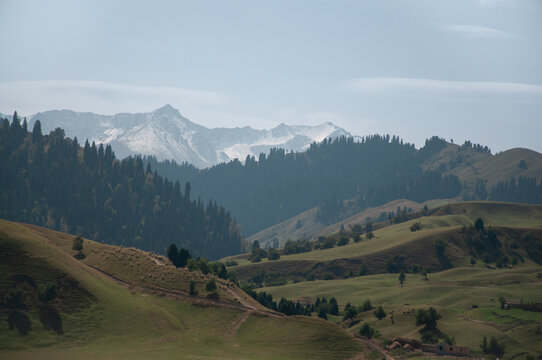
{"x":167,"y":135}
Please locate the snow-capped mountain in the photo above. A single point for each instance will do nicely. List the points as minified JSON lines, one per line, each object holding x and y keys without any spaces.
{"x":166,"y":134}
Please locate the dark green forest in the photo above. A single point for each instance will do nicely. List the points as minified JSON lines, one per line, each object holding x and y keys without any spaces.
{"x":280,"y":185}
{"x":51,"y":181}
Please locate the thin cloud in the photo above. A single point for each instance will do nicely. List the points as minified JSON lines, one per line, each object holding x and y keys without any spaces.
{"x":493,"y":3}
{"x":382,"y":84}
{"x":477,"y":31}
{"x":29,"y":97}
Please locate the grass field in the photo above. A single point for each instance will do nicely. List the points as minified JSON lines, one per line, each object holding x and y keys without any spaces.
{"x":453,"y":292}
{"x":125,"y":317}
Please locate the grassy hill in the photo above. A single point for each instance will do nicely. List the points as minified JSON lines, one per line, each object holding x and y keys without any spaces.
{"x":126,"y":303}
{"x":445,"y":223}
{"x":466,"y":297}
{"x":306,"y":225}
{"x":470,"y":165}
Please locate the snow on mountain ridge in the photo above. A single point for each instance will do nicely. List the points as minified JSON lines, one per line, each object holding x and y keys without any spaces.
{"x":166,"y":134}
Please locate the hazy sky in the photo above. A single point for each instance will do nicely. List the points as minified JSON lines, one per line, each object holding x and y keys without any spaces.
{"x":461,"y":69}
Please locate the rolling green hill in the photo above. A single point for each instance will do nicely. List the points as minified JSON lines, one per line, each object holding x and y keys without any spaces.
{"x":306,"y":224}
{"x":126,"y":303}
{"x":470,"y":165}
{"x":511,"y":222}
{"x":466,"y":295}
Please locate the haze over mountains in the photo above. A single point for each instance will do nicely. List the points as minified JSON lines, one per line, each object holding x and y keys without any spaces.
{"x":167,"y":135}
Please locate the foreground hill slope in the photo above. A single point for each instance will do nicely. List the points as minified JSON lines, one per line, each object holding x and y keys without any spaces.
{"x":125,"y":303}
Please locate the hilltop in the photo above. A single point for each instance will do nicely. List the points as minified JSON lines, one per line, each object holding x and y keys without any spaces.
{"x":126,"y":303}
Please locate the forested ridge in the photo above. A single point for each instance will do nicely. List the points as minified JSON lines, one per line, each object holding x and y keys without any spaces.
{"x":280,"y":185}
{"x":51,"y":181}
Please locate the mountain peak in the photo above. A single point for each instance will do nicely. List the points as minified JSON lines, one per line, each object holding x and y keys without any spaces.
{"x":166,"y":134}
{"x":167,"y":110}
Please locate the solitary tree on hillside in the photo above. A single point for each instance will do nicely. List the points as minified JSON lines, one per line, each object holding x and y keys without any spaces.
{"x":77,"y":243}
{"x":173,"y":254}
{"x":479,"y":224}
{"x":380,"y":313}
{"x":402,"y":277}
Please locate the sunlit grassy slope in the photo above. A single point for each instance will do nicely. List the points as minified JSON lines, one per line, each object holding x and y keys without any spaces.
{"x":443,"y":223}
{"x":467,"y":298}
{"x":127,"y":304}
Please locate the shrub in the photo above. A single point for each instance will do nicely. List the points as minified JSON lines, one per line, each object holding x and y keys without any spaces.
{"x":322,"y":314}
{"x":343,"y":241}
{"x":380,"y":313}
{"x":47,"y":292}
{"x":428,"y":336}
{"x":232,"y":263}
{"x":77,"y":243}
{"x":328,"y":243}
{"x":15,"y":299}
{"x":203,"y":266}
{"x":273,"y":254}
{"x":366,"y":305}
{"x":427,"y":317}
{"x":350,"y":313}
{"x":193,"y":290}
{"x":416,"y":226}
{"x":296,"y":247}
{"x":210,"y":285}
{"x":366,"y":330}
{"x":191,"y":264}
{"x":493,"y":348}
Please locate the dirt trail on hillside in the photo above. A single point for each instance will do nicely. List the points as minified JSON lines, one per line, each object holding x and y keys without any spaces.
{"x":232,"y":331}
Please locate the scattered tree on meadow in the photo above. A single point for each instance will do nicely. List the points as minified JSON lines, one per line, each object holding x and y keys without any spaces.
{"x":77,"y":243}
{"x":380,"y":313}
{"x":493,"y":348}
{"x":402,"y":277}
{"x":428,"y":318}
{"x":366,"y":330}
{"x":479,"y":225}
{"x":366,"y":306}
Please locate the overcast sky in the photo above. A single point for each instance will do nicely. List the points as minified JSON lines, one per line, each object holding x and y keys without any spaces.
{"x":460,"y":69}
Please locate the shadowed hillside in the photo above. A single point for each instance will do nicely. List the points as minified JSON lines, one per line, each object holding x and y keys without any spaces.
{"x":125,"y":303}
